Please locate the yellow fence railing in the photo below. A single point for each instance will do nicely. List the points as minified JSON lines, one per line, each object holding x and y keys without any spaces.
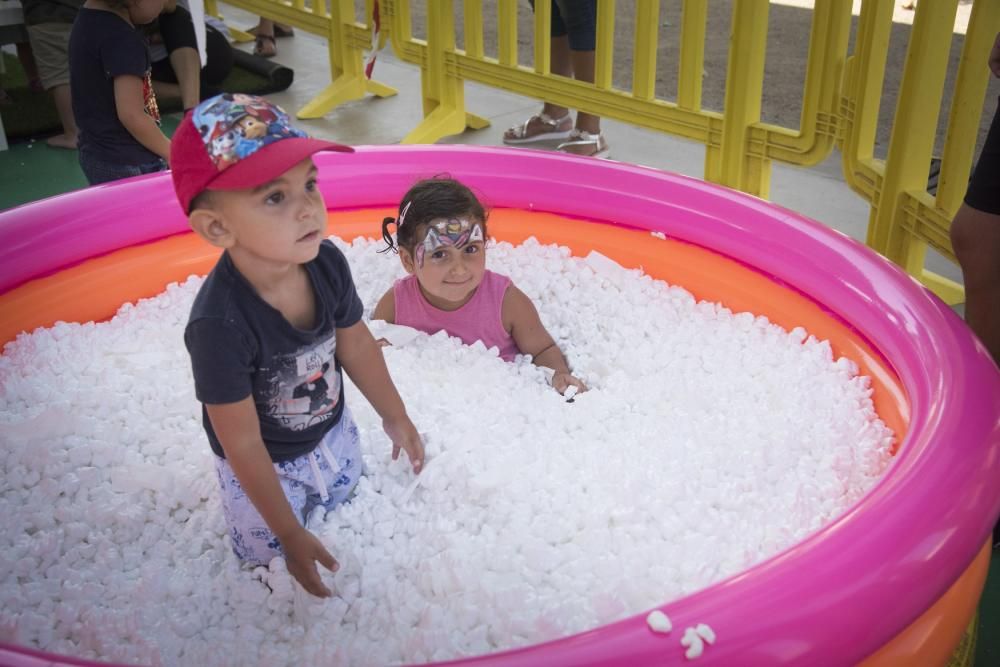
{"x":841,"y":93}
{"x":905,"y":218}
{"x":740,"y":147}
{"x":347,"y":41}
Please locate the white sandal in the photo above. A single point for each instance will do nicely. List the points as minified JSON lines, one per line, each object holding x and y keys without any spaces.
{"x":519,"y":133}
{"x":581,"y":138}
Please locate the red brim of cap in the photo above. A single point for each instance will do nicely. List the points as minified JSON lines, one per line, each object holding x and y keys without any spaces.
{"x":270,"y":162}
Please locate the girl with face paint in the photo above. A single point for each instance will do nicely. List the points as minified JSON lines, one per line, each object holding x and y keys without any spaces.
{"x":441,"y":241}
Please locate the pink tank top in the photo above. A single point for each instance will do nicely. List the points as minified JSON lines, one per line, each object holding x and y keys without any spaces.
{"x":479,"y":319}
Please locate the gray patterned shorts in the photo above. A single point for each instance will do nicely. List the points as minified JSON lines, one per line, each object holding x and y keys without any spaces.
{"x":325,"y":477}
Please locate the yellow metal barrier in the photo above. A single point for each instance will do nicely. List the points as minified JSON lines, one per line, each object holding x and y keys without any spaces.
{"x":840,"y":99}
{"x":347,"y":41}
{"x":905,"y":219}
{"x":740,"y":148}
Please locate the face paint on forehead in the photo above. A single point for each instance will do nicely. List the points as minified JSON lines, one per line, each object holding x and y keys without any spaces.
{"x":456,"y":232}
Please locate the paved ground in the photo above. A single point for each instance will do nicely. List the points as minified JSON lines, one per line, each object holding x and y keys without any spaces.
{"x":819,"y":192}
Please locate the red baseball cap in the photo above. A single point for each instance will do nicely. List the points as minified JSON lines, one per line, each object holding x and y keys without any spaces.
{"x":235,"y":142}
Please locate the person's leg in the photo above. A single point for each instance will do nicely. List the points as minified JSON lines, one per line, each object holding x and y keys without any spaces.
{"x":177,"y":30}
{"x":561,"y":63}
{"x":265,"y":46}
{"x":975,"y":236}
{"x":64,"y":106}
{"x":580,"y":17}
{"x":583,"y":70}
{"x":219,"y":57}
{"x":187,"y":67}
{"x":554,"y":121}
{"x":50,"y":44}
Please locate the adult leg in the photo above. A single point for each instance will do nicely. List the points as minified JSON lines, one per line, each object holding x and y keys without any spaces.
{"x":265,"y":46}
{"x":561,"y":63}
{"x":554,"y":121}
{"x":219,"y":57}
{"x":177,"y":30}
{"x":581,"y":26}
{"x":975,"y":236}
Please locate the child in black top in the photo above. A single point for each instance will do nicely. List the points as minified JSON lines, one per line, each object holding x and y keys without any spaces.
{"x":113,"y":100}
{"x":270,"y":330}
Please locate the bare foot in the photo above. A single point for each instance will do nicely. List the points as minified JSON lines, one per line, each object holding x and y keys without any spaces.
{"x":62,"y":141}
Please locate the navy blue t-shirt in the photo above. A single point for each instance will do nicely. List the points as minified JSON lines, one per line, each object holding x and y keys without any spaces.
{"x":241,"y":345}
{"x":103,"y":46}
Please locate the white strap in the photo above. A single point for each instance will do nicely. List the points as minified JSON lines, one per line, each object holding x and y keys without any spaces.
{"x":318,"y":476}
{"x":328,"y":455}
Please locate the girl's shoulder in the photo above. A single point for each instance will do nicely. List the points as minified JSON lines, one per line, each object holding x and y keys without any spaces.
{"x":497,"y":280}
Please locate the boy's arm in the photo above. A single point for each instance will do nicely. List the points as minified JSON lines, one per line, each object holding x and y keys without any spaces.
{"x":238,"y":429}
{"x":533,"y":338}
{"x":130,"y":106}
{"x":362,"y":359}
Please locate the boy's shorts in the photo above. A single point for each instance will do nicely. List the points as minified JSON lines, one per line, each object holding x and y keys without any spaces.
{"x":325,"y":477}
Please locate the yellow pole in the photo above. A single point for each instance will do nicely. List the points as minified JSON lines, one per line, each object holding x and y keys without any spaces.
{"x":732,"y":165}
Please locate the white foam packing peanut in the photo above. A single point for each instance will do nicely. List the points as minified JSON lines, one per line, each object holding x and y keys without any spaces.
{"x":659,"y":622}
{"x":693,"y":642}
{"x":535,"y":517}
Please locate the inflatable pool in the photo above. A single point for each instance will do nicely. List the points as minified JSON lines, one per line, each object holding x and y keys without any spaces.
{"x":895,"y":580}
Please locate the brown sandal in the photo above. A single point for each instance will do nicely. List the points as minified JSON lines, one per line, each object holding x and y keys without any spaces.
{"x":265,"y":46}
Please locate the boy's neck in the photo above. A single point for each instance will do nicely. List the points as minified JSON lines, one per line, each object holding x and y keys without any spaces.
{"x":265,"y":277}
{"x":102,"y":6}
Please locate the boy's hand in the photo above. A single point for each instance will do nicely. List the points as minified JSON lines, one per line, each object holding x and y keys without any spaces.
{"x":563,"y":381}
{"x":302,"y":551}
{"x":404,"y":436}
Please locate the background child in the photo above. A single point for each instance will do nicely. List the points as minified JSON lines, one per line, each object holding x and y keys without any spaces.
{"x":441,"y":239}
{"x":113,"y":100}
{"x":270,"y":329}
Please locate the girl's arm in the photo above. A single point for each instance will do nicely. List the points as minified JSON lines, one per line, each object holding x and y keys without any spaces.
{"x":361,"y":357}
{"x":238,"y":429}
{"x":130,"y":105}
{"x":521,"y":317}
{"x":385,"y":309}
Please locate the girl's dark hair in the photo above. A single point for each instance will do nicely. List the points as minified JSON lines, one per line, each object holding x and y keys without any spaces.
{"x":430,"y":199}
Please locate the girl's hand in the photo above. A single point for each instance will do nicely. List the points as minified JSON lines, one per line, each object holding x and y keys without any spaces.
{"x":404,"y":436}
{"x":562,"y":381}
{"x":302,"y":551}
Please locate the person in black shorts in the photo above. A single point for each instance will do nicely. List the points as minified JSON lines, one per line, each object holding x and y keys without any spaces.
{"x":975,"y":236}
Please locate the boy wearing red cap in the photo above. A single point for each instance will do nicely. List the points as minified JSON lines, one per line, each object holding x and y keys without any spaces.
{"x":271,"y":328}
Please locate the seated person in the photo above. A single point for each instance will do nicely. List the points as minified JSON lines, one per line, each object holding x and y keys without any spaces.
{"x":177,"y":70}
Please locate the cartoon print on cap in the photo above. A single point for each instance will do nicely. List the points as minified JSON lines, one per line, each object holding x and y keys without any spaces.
{"x":235,"y":126}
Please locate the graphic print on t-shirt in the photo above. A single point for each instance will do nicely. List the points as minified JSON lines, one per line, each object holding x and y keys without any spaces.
{"x":149,"y":104}
{"x":303,"y":388}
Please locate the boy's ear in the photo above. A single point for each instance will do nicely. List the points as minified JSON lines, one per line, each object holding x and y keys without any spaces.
{"x":407,"y":259}
{"x":209,"y":225}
